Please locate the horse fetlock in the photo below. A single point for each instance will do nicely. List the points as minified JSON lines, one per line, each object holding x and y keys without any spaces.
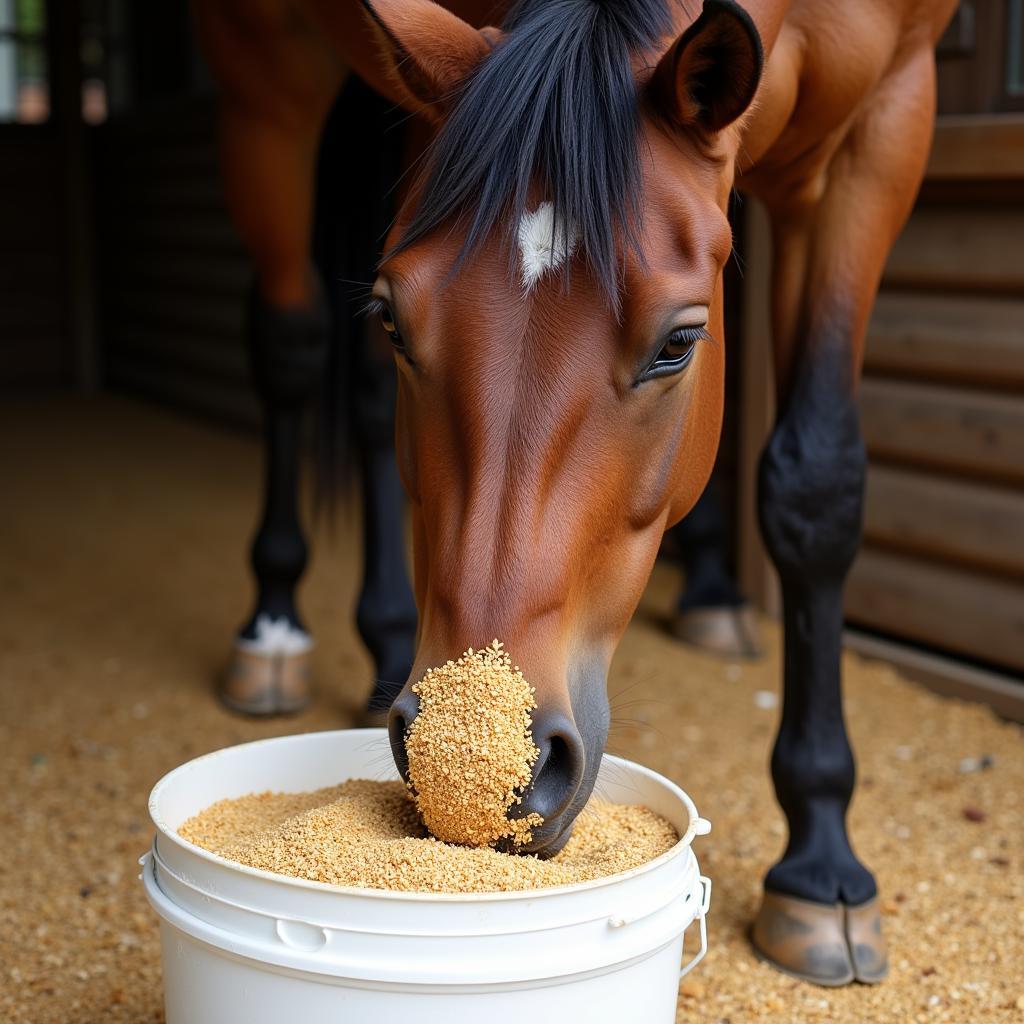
{"x":279,"y":555}
{"x":819,"y":863}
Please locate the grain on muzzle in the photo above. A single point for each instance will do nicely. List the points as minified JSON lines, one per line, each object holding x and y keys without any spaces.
{"x":470,"y":749}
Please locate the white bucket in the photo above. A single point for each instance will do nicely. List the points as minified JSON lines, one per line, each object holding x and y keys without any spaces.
{"x":243,"y":945}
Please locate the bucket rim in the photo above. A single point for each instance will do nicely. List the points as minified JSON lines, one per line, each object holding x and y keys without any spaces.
{"x":163,"y":829}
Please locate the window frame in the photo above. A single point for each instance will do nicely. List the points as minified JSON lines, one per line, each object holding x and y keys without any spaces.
{"x":1013,"y":99}
{"x":49,"y":128}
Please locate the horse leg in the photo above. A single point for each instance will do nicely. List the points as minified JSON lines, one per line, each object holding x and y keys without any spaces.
{"x":809,"y":495}
{"x":820,"y":918}
{"x":358,"y":414}
{"x":269,"y":673}
{"x":711,"y":614}
{"x":277,"y":84}
{"x":386,"y":613}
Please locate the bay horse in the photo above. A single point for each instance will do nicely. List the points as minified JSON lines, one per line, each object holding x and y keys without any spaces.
{"x":552,"y":291}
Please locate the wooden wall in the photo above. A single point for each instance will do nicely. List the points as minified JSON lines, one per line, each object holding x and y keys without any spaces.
{"x":35,"y":351}
{"x":942,"y":408}
{"x":173,"y":276}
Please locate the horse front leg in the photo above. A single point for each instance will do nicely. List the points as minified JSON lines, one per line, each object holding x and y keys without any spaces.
{"x":269,"y":671}
{"x":711,"y":613}
{"x":361,"y":396}
{"x":820,"y":917}
{"x":386,"y":615}
{"x":278,"y":80}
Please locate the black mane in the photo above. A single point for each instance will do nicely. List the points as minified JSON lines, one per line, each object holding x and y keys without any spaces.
{"x":554,"y":104}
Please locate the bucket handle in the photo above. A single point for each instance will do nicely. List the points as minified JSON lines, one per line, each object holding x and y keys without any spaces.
{"x":663,"y":901}
{"x":702,"y":914}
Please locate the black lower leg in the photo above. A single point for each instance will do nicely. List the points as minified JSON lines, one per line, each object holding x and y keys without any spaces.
{"x":347,"y":245}
{"x":703,"y":540}
{"x":810,"y":493}
{"x":386,"y":614}
{"x":812,"y":763}
{"x":288,"y":351}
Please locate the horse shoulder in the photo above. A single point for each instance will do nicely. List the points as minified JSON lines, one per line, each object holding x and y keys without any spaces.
{"x":830,"y":61}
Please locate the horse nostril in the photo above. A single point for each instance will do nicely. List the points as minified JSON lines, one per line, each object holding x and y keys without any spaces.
{"x":400,"y":717}
{"x":559,"y":770}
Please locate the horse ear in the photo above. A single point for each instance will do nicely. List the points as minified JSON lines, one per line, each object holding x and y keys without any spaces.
{"x":431,"y":51}
{"x":710,"y":74}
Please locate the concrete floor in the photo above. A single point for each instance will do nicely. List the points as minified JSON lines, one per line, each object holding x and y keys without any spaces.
{"x":122,"y":569}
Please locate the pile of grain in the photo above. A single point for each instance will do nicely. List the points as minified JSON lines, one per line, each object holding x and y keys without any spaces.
{"x":368,"y":834}
{"x":470,"y":749}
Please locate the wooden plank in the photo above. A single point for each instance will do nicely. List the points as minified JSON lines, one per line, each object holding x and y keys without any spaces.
{"x":29,"y":231}
{"x":969,"y":432}
{"x":77,"y":196}
{"x":31,"y":195}
{"x":194,"y":192}
{"x":967,"y":339}
{"x":949,"y":608}
{"x":30,"y":299}
{"x":42,"y":360}
{"x":972,"y":524}
{"x":158,"y":230}
{"x":34,"y":351}
{"x":226,"y":274}
{"x":17,"y":325}
{"x":214,"y":398}
{"x":176,"y":118}
{"x":961,"y":248}
{"x":170,"y":135}
{"x":218,"y":316}
{"x":160,"y":162}
{"x":176,"y":276}
{"x":180,"y":353}
{"x":985,"y":146}
{"x":945,"y":676}
{"x":27,"y":160}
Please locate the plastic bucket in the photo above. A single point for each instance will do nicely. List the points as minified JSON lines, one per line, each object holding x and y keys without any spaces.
{"x":243,"y":945}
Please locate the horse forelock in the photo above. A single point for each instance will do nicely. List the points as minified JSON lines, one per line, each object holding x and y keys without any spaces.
{"x":551,"y":116}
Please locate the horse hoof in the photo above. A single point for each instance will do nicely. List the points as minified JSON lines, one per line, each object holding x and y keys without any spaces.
{"x":826,"y":944}
{"x":259,"y":683}
{"x":731,"y":632}
{"x":867,"y":943}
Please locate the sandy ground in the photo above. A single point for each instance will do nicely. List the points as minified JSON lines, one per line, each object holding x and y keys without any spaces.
{"x":122,"y":574}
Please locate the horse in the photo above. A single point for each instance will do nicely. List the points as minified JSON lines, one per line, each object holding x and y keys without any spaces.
{"x":551,"y":289}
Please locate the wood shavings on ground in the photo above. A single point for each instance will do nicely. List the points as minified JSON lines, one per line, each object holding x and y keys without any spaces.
{"x":117,"y":625}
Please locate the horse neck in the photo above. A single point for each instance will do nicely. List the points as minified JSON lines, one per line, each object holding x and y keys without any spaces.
{"x":768,"y":16}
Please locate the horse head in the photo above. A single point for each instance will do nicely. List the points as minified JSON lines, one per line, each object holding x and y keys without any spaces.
{"x":553,"y":290}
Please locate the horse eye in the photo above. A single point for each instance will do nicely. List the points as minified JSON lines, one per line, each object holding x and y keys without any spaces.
{"x":676,"y":353}
{"x":387,"y":321}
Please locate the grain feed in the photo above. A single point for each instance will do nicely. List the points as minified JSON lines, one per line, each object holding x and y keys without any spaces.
{"x":368,"y":834}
